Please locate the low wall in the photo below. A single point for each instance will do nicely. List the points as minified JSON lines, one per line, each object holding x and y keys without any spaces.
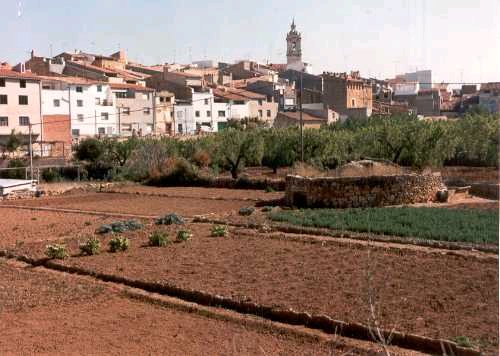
{"x":357,"y":192}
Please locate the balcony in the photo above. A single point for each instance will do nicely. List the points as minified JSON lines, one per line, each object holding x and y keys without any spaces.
{"x":105,"y":103}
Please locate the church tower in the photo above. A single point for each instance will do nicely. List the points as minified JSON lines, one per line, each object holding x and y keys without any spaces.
{"x":293,"y":46}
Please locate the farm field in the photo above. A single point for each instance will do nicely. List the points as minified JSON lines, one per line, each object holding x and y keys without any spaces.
{"x":135,"y":204}
{"x":420,"y":291}
{"x":427,"y":223}
{"x":38,"y":307}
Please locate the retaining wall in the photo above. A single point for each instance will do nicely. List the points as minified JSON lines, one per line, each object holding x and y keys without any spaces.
{"x":358,"y":192}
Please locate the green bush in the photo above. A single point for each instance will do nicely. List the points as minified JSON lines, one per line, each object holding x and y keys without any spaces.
{"x":170,"y":219}
{"x":119,"y":227}
{"x":219,"y":231}
{"x":91,"y":247}
{"x":183,"y":235}
{"x":117,"y":244}
{"x":50,"y":175}
{"x":158,"y":239}
{"x":55,"y":251}
{"x":246,"y":211}
{"x":19,"y":173}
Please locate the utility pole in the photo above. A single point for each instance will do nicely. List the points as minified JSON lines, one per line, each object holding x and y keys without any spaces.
{"x":154,"y":113}
{"x":119,"y":123}
{"x":31,"y":153}
{"x":301,"y":120}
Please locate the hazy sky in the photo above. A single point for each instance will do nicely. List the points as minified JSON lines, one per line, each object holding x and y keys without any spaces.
{"x":457,"y":39}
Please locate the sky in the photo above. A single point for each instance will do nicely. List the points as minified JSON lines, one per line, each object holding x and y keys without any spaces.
{"x":458,"y":39}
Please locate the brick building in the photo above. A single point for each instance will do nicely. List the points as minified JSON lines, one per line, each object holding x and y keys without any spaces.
{"x":348,"y":94}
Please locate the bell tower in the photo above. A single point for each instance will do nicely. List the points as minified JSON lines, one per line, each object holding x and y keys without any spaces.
{"x":293,"y":45}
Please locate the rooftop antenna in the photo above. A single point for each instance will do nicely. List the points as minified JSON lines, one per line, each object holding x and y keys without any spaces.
{"x":19,"y":9}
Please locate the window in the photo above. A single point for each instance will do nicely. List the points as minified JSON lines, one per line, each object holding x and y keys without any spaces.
{"x":147,"y":111}
{"x":179,"y":114}
{"x":126,"y":111}
{"x":268,"y":113}
{"x":24,"y":121}
{"x":80,"y":117}
{"x":2,"y":82}
{"x":75,"y":132}
{"x":57,"y":103}
{"x":206,"y":101}
{"x":79,"y":89}
{"x":260,"y":101}
{"x":98,"y":101}
{"x":197,"y":113}
{"x":4,"y":121}
{"x":3,"y":99}
{"x":145,"y":96}
{"x":162,"y":99}
{"x":23,"y":100}
{"x":222,"y":113}
{"x":209,"y":114}
{"x":260,"y":113}
{"x":99,"y":88}
{"x":353,"y":102}
{"x":79,"y":103}
{"x":101,"y":130}
{"x":22,"y":83}
{"x":104,"y":116}
{"x":179,"y":128}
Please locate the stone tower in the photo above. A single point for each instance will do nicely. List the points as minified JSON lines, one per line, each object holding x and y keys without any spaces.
{"x":293,"y":45}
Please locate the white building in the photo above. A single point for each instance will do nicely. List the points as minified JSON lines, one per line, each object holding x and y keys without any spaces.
{"x":19,"y":104}
{"x":423,"y":77}
{"x":90,"y":105}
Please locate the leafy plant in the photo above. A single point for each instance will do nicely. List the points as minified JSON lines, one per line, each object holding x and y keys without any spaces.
{"x":55,"y":251}
{"x":158,"y":239}
{"x":463,"y":341}
{"x":170,"y":219}
{"x":219,"y":231}
{"x":91,"y":247}
{"x":183,"y":235}
{"x":246,"y":211}
{"x":117,"y":244}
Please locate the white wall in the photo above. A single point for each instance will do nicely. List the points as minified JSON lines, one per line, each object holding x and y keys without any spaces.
{"x":12,"y":110}
{"x":184,"y":116}
{"x":48,"y":97}
{"x":91,"y":112}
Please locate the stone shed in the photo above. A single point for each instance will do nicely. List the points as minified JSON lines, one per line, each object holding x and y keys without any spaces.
{"x":358,"y":192}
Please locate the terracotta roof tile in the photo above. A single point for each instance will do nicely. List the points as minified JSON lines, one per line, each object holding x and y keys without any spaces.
{"x":7,"y":73}
{"x":125,"y":86}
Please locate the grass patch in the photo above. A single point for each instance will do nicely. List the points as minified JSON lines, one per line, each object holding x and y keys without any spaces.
{"x":426,"y":223}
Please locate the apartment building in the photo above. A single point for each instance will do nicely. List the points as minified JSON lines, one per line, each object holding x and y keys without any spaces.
{"x":19,"y":103}
{"x":134,"y":105}
{"x":89,"y":104}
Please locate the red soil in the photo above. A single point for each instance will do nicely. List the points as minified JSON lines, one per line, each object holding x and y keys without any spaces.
{"x":416,"y":292}
{"x":48,"y":313}
{"x":23,"y":226}
{"x":135,"y":204}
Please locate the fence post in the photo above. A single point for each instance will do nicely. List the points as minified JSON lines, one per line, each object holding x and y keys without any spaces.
{"x":26,"y":173}
{"x":78,"y":172}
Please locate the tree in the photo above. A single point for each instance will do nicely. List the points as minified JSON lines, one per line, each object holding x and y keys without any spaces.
{"x":280,"y":148}
{"x":13,"y":142}
{"x":90,"y":150}
{"x":238,"y":148}
{"x":120,"y":151}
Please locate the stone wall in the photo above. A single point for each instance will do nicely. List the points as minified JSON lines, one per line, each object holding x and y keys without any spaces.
{"x":354,"y":192}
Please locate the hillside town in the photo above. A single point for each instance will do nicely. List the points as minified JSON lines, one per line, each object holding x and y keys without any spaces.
{"x":75,"y":95}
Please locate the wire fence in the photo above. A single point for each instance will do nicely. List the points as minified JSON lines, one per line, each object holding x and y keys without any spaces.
{"x":49,"y":173}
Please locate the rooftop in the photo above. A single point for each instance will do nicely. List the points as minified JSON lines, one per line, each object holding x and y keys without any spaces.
{"x":125,"y":86}
{"x":12,"y":74}
{"x":71,"y":80}
{"x":295,"y":115}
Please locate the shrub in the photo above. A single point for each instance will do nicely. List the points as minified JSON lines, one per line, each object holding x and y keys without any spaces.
{"x":183,"y":173}
{"x":246,"y":211}
{"x":90,"y":150}
{"x":118,"y":244}
{"x":183,"y":235}
{"x":158,"y":239}
{"x":462,"y":341}
{"x":50,"y":175}
{"x":19,"y":173}
{"x":91,"y":247}
{"x":55,"y":251}
{"x":267,"y":209}
{"x":119,"y":227}
{"x":219,"y":230}
{"x":202,"y":158}
{"x":170,"y":219}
